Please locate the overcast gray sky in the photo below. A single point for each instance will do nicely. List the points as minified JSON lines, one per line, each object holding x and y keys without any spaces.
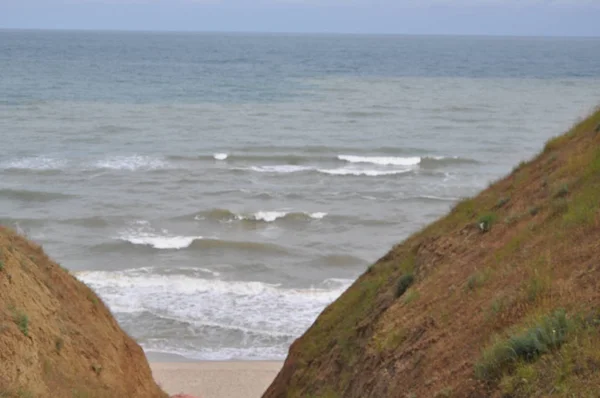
{"x":493,"y":17}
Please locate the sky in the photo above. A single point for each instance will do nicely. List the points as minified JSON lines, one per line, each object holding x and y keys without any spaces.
{"x":457,"y":17}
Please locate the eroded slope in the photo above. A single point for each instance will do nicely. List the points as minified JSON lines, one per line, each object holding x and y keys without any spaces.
{"x":499,"y":298}
{"x":57,"y":338}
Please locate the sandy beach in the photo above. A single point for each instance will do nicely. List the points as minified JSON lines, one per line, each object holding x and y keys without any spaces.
{"x":243,"y":379}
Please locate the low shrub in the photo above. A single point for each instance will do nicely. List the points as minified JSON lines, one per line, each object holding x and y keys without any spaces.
{"x":404,"y":283}
{"x":486,"y":221}
{"x":503,"y":356}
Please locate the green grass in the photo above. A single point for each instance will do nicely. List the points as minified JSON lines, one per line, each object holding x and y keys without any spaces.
{"x":404,"y":283}
{"x":21,"y":320}
{"x":486,"y":221}
{"x":92,"y":298}
{"x":562,"y":191}
{"x":410,"y":296}
{"x":504,"y":355}
{"x":570,"y":371}
{"x":535,"y":287}
{"x":582,"y":210}
{"x":477,"y":279}
{"x":498,"y":305}
{"x":502,"y":202}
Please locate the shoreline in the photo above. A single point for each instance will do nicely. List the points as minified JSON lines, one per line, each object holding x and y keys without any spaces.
{"x":215,"y":379}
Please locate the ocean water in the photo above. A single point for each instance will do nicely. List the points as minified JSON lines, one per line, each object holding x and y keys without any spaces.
{"x":218,"y":191}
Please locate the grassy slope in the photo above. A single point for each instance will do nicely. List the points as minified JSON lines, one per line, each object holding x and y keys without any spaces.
{"x":487,"y":301}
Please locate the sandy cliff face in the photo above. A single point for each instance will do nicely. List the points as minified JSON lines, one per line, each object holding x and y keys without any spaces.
{"x":499,"y":298}
{"x":57,"y":338}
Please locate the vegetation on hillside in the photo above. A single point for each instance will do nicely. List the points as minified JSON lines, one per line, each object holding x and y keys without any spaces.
{"x":499,"y":298}
{"x":57,"y":338}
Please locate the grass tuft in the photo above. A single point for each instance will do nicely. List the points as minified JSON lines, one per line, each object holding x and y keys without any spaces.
{"x":59,"y":344}
{"x":21,"y":320}
{"x":562,"y":191}
{"x":410,"y":296}
{"x":502,"y":202}
{"x":486,"y":221}
{"x":404,"y":283}
{"x":504,"y":355}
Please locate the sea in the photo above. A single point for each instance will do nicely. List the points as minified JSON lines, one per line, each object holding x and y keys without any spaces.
{"x":219,"y":190}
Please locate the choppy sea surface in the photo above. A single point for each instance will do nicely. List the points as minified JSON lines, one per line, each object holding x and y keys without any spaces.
{"x":218,"y":191}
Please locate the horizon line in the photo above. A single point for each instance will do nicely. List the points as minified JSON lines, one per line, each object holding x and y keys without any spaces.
{"x":299,"y":33}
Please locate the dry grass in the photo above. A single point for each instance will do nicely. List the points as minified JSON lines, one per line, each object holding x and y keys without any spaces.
{"x":538,"y":253}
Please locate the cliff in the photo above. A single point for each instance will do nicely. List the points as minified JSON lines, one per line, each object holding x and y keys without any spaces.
{"x":499,"y":298}
{"x":57,"y":338}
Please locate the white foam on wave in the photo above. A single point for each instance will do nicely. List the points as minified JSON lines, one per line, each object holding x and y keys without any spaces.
{"x":284,"y":168}
{"x":220,"y":156}
{"x":160,"y":242}
{"x":267,"y":216}
{"x":317,"y":215}
{"x":362,"y":172}
{"x":246,"y":305}
{"x":440,"y":198}
{"x":271,"y":216}
{"x":131,"y":163}
{"x":382,"y":160}
{"x":141,"y":233}
{"x":35,"y":163}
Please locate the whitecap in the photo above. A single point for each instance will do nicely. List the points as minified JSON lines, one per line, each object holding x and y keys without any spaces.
{"x":159,"y":241}
{"x":382,"y":160}
{"x":361,"y":172}
{"x":35,"y":163}
{"x":131,"y":163}
{"x":284,"y":168}
{"x":267,"y":216}
{"x":142,"y":233}
{"x":248,"y":305}
{"x":220,"y":156}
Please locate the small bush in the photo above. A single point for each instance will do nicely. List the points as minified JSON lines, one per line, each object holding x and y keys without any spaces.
{"x":59,"y":344}
{"x":503,"y":356}
{"x":559,"y":206}
{"x":498,"y":305}
{"x":404,"y":283}
{"x":562,"y":191}
{"x":22,"y":320}
{"x":534,"y":210}
{"x":1,"y":266}
{"x":502,"y":202}
{"x":93,"y":299}
{"x":486,"y":221}
{"x":535,"y":287}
